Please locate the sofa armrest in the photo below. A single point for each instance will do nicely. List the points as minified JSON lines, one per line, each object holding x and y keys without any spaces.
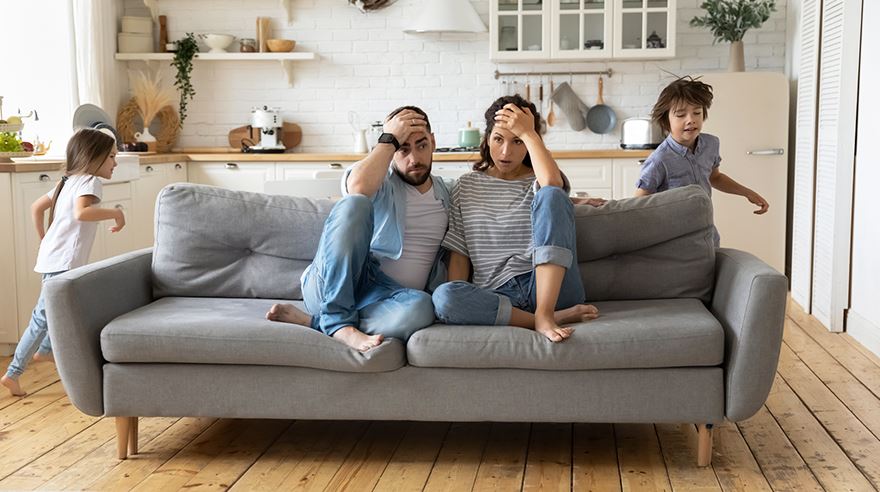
{"x":749,"y":301}
{"x":79,"y":304}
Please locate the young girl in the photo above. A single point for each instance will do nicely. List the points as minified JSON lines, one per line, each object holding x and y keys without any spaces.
{"x":688,"y":156}
{"x":73,"y":217}
{"x":512,"y":221}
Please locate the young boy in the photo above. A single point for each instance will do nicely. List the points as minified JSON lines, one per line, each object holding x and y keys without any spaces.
{"x":686,"y":156}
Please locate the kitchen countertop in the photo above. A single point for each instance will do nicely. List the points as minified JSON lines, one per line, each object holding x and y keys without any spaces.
{"x":213,"y":155}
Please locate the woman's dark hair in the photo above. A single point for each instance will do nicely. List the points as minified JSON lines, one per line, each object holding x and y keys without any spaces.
{"x":485,"y":161}
{"x":684,"y":90}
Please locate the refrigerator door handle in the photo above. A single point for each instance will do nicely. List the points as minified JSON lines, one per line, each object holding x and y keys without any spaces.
{"x":766,"y":152}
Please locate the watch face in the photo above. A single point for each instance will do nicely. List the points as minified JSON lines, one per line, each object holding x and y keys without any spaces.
{"x":389,"y":138}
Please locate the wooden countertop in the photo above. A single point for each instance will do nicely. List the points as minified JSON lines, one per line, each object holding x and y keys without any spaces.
{"x":213,"y":155}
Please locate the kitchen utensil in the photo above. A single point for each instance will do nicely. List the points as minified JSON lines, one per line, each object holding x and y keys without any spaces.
{"x":575,"y":110}
{"x":528,"y":92}
{"x":551,"y":116}
{"x":468,"y":136}
{"x":217,"y":42}
{"x":280,"y":45}
{"x":163,"y":33}
{"x":291,"y":135}
{"x":601,"y":118}
{"x":640,"y":133}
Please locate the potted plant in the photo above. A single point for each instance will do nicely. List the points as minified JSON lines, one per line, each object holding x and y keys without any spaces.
{"x":183,"y":55}
{"x":730,"y":19}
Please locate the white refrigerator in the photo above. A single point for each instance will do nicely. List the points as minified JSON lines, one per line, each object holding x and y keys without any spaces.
{"x":749,"y":114}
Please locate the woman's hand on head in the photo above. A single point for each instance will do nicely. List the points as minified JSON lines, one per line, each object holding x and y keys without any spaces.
{"x":516,"y":120}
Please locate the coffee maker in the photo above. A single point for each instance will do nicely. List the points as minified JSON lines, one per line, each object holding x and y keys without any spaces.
{"x":268,"y":122}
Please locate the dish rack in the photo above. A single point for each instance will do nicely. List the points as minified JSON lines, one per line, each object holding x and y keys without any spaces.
{"x":11,"y":128}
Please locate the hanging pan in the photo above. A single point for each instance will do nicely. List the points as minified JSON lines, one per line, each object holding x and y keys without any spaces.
{"x":601,"y":118}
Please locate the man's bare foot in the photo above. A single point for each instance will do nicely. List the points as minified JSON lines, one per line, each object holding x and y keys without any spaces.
{"x":357,"y":339}
{"x":551,"y":330}
{"x":576,"y":314}
{"x":12,"y":385}
{"x":288,"y":313}
{"x":47,"y":357}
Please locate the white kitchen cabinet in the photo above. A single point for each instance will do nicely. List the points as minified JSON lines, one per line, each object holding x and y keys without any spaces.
{"x":245,"y":176}
{"x":539,"y":30}
{"x":8,"y":301}
{"x":310,"y":170}
{"x":644,"y":29}
{"x":153,"y":177}
{"x":451,"y":169}
{"x":626,"y":175}
{"x":589,"y":177}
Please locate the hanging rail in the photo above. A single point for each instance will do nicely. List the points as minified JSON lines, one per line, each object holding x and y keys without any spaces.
{"x":529,"y":74}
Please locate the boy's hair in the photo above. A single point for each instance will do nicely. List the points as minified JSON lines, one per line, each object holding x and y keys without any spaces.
{"x":412,"y":108}
{"x":683,"y":90}
{"x":86,"y":152}
{"x":485,"y":161}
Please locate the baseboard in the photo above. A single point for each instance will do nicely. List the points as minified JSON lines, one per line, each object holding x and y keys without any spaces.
{"x":865,"y":332}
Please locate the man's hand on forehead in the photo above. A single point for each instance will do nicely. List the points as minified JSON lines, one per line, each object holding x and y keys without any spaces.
{"x":405,"y":123}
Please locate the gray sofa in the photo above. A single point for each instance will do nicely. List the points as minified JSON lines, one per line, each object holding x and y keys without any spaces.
{"x":688,"y":334}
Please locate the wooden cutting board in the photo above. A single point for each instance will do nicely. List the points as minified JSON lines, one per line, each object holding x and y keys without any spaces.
{"x":291,"y":135}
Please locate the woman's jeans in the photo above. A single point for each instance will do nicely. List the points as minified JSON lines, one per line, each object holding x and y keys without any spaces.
{"x":344,"y":285}
{"x":35,"y":337}
{"x":554,"y":239}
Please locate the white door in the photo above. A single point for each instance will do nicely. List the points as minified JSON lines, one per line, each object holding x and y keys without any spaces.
{"x":750,"y":115}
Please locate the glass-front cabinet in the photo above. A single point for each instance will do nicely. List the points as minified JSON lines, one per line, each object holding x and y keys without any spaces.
{"x":535,"y":30}
{"x":644,"y":28}
{"x":519,"y":29}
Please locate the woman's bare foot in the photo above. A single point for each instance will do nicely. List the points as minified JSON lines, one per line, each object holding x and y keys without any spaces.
{"x":12,"y":385}
{"x":357,"y":339}
{"x":576,"y":314}
{"x":47,"y":357}
{"x":550,"y":329}
{"x":288,"y":313}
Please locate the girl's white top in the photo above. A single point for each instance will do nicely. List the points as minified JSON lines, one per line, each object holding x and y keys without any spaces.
{"x":68,"y":241}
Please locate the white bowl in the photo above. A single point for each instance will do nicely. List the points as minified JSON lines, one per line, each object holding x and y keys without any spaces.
{"x":217,"y":42}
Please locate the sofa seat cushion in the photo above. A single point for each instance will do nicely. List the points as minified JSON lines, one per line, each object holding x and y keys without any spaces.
{"x":628,"y":334}
{"x":200,"y":330}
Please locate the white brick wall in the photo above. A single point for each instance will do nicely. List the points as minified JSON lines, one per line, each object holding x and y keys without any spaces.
{"x":367,"y":64}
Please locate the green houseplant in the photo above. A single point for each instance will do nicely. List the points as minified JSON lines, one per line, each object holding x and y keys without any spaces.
{"x":186,"y":50}
{"x":730,"y":19}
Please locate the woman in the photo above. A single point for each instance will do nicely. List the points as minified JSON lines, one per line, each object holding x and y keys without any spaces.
{"x":512,"y":221}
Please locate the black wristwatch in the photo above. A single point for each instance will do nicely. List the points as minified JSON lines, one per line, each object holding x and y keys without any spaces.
{"x":389,"y":138}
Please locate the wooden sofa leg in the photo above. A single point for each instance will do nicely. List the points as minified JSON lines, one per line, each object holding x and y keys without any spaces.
{"x":133,"y":436}
{"x":123,"y":431}
{"x":704,"y":446}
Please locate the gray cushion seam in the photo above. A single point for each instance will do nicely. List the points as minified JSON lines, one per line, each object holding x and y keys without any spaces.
{"x":471,"y":342}
{"x":241,"y":200}
{"x":224,"y":340}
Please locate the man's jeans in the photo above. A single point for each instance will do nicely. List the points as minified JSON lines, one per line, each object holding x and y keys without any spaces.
{"x":554,"y":240}
{"x":345,"y":287}
{"x":35,"y":337}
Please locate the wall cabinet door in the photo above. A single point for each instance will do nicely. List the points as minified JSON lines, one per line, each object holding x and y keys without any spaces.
{"x":644,"y":29}
{"x":250,"y":176}
{"x":581,"y":29}
{"x":519,"y":30}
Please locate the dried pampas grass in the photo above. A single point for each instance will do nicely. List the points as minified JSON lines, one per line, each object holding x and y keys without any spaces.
{"x":149,"y":95}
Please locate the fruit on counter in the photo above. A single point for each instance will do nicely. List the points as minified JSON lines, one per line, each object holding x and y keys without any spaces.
{"x":13,"y":120}
{"x":2,"y":122}
{"x":27,"y":146}
{"x":9,"y":142}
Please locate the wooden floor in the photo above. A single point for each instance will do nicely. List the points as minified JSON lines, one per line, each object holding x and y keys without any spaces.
{"x":819,"y":430}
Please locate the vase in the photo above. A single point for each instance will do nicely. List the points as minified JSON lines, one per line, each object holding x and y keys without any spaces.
{"x":736,"y":62}
{"x":146,"y":136}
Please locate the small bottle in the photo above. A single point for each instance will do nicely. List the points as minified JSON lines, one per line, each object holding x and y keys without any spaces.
{"x":248,"y":45}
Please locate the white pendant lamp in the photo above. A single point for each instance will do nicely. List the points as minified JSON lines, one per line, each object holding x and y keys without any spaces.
{"x":447,"y":16}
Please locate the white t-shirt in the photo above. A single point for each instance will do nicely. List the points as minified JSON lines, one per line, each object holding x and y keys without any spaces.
{"x":425,"y":226}
{"x":68,"y":241}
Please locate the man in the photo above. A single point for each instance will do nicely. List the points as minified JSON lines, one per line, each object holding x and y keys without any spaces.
{"x":380,"y":248}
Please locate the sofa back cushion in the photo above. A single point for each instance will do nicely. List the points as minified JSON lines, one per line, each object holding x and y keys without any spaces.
{"x":659,"y":246}
{"x":212,"y":242}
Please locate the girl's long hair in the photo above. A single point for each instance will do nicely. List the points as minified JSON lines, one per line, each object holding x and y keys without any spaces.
{"x":86,"y":152}
{"x":485,"y":161}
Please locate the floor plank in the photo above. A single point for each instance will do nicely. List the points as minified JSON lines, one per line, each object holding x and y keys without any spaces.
{"x":860,"y":348}
{"x":548,"y":465}
{"x":30,"y":404}
{"x":459,"y":459}
{"x":316,"y":469}
{"x":594,"y":459}
{"x":826,"y":460}
{"x":126,"y":474}
{"x":780,"y":462}
{"x":733,"y":462}
{"x":641,"y":462}
{"x":504,"y":459}
{"x":678,"y":442}
{"x":860,"y":445}
{"x":365,"y":463}
{"x":411,"y":464}
{"x":36,"y":377}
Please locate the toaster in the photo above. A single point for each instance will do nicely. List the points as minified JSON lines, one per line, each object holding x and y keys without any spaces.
{"x":640,"y":133}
